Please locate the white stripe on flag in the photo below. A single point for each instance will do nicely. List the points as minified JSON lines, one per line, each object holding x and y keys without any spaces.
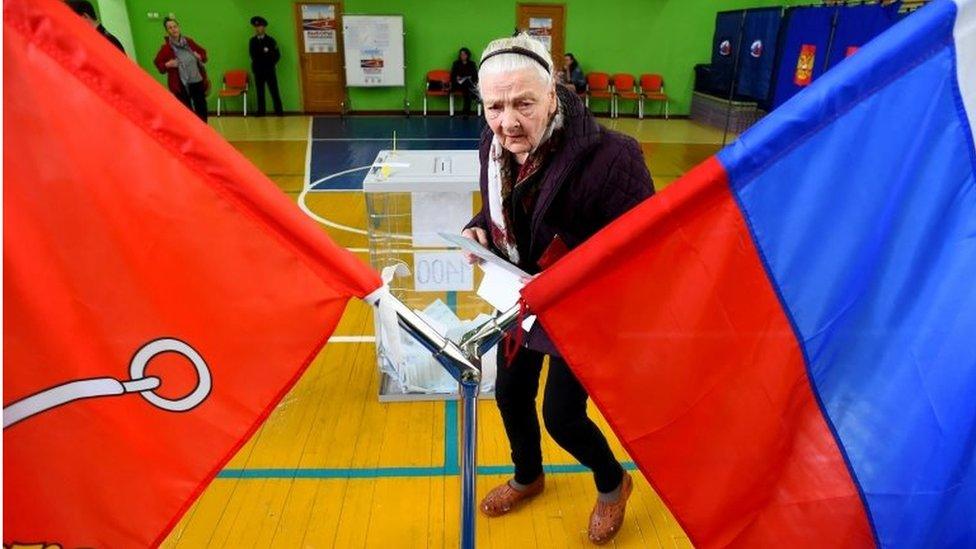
{"x":964,"y":33}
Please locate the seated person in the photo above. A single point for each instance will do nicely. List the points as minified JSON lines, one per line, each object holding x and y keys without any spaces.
{"x":464,"y":78}
{"x":572,"y":75}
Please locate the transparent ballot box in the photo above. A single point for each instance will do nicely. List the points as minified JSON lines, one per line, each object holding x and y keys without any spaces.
{"x":411,"y":196}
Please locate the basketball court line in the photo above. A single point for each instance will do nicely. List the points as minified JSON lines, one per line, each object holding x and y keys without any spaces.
{"x":352,"y":339}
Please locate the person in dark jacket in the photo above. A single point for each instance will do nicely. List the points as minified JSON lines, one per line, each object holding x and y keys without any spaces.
{"x":182,"y":61}
{"x":85,"y":9}
{"x":264,"y":56}
{"x":551,"y":177}
{"x":464,"y":78}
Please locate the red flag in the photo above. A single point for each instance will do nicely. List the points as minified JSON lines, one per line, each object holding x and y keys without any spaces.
{"x":137,"y":245}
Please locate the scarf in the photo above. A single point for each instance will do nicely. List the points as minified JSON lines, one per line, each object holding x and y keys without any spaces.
{"x":502,"y":182}
{"x":189,"y":64}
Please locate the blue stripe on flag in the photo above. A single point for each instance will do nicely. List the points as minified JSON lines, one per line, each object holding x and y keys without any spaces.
{"x":863,"y":203}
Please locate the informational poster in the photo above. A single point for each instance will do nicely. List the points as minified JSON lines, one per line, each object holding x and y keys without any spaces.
{"x":319,"y":28}
{"x":372,"y":41}
{"x":373,"y":47}
{"x":540,"y":28}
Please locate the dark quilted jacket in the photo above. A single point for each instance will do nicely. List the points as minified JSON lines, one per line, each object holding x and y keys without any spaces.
{"x":595,"y":176}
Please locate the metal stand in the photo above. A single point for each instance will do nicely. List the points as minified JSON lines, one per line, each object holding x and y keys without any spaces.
{"x":464,"y":364}
{"x":469,"y":385}
{"x":475,"y":343}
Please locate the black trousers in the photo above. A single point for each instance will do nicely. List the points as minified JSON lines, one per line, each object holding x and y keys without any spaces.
{"x":468,"y":90}
{"x":194,"y":96}
{"x":262,"y":77}
{"x":564,"y":414}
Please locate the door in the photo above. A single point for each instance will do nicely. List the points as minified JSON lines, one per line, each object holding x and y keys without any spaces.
{"x":547,"y":22}
{"x":320,"y":56}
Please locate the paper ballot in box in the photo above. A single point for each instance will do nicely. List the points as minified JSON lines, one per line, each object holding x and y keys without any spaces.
{"x":411,"y":196}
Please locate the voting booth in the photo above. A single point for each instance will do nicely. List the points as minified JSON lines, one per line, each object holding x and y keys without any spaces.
{"x":411,"y":196}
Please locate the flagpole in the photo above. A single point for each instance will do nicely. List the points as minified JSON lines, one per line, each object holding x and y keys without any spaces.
{"x":474,"y":344}
{"x":470,"y":386}
{"x":463,"y":362}
{"x":466,"y":370}
{"x":479,"y":339}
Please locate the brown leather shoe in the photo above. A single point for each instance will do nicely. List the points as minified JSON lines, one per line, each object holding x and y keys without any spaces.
{"x":607,"y":517}
{"x":503,"y":499}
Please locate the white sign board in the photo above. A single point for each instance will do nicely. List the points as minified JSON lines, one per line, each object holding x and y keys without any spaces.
{"x":442,"y":272}
{"x":373,"y":50}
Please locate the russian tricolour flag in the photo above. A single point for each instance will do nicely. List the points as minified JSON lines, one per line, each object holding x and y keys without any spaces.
{"x":785,"y":339}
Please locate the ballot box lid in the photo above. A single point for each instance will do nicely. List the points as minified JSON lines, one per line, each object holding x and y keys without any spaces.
{"x":423,"y":171}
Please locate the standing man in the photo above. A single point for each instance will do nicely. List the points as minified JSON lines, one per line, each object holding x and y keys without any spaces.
{"x":264,"y":57}
{"x":85,"y":9}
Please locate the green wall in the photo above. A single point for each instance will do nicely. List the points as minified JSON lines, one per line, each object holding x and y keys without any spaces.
{"x":663,"y":36}
{"x":114,"y":14}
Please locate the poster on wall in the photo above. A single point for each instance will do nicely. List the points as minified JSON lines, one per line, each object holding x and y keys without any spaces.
{"x":319,"y":28}
{"x":371,"y":42}
{"x":540,"y":28}
{"x":373,"y":47}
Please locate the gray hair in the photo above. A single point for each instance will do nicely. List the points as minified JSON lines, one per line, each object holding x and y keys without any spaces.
{"x":511,"y":62}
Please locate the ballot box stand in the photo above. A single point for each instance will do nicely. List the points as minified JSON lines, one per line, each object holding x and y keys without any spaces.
{"x":411,"y":195}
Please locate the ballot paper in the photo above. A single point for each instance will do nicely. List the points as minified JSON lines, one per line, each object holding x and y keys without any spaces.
{"x":502,"y":281}
{"x":468,"y":245}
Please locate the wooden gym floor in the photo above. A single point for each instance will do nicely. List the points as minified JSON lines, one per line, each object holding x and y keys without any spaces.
{"x":334,"y":467}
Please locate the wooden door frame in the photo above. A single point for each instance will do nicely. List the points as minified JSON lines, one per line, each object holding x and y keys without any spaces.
{"x":557,"y":62}
{"x":340,"y":50}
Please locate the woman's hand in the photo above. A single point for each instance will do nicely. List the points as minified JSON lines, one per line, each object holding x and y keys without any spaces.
{"x":172,"y":63}
{"x":478,"y":235}
{"x":198,"y":56}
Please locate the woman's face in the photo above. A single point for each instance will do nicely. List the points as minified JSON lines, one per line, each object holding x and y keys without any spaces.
{"x":173,"y":29}
{"x":568,"y":60}
{"x":463,"y":55}
{"x":518,"y":106}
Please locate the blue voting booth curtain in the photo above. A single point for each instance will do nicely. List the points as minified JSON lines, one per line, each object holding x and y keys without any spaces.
{"x":725,"y":44}
{"x":803,"y":51}
{"x":856,"y":26}
{"x":758,"y":53}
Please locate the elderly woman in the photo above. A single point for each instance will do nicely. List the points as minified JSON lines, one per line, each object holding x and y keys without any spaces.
{"x":182,"y":59}
{"x":550,"y":178}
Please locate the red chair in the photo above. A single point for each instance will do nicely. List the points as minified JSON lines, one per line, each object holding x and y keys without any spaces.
{"x":438,"y":84}
{"x":652,"y":89}
{"x":625,"y":88}
{"x":598,"y":87}
{"x":235,"y":85}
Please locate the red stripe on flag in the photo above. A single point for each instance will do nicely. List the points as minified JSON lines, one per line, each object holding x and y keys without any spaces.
{"x":682,"y":343}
